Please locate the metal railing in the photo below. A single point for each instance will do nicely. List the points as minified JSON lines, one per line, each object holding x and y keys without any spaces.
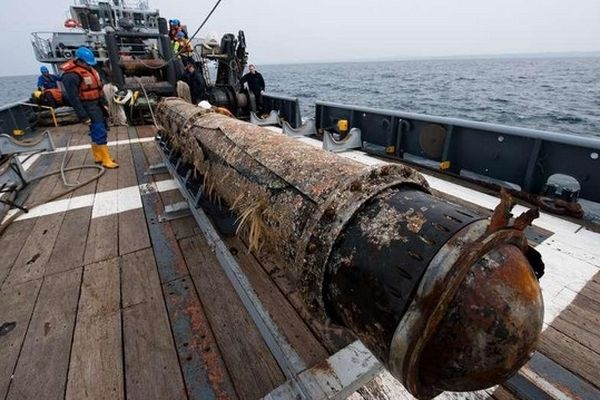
{"x":521,"y":156}
{"x":288,"y":107}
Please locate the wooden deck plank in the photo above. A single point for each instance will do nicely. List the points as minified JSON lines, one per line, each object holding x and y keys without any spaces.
{"x":139,"y":279}
{"x":32,"y":260}
{"x":43,"y":190}
{"x":288,"y":321}
{"x":69,"y":248}
{"x":583,"y":317}
{"x":112,"y":133}
{"x":384,"y":387}
{"x":74,"y":159}
{"x":204,"y":371}
{"x":572,"y":328}
{"x":16,"y":307}
{"x":69,"y":245}
{"x":133,"y":232}
{"x":592,"y":291}
{"x":96,"y":366}
{"x":570,"y":354}
{"x":86,"y":174}
{"x":146,"y":131}
{"x":11,"y":242}
{"x":126,"y":171}
{"x":41,"y":371}
{"x":152,"y":369}
{"x":44,"y":187}
{"x":501,"y":393}
{"x":251,"y":365}
{"x":103,"y":239}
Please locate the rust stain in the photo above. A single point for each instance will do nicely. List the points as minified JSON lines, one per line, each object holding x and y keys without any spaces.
{"x":203,"y":345}
{"x":502,"y":213}
{"x":415,"y":222}
{"x":524,"y":220}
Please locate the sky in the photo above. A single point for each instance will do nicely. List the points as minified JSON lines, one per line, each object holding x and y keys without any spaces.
{"x":344,"y":30}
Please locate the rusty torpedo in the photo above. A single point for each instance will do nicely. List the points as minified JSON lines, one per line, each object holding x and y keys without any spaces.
{"x":445,"y":298}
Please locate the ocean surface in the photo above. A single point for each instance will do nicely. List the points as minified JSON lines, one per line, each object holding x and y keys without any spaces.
{"x":554,"y":94}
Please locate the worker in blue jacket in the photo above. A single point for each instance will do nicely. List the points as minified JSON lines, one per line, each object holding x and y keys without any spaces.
{"x":83,"y":88}
{"x":47,"y":80}
{"x":48,"y":92}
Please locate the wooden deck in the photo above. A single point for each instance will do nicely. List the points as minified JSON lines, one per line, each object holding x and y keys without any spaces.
{"x":100,"y":300}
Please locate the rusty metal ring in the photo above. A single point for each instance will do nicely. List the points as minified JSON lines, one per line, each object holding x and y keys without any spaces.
{"x":332,"y":216}
{"x":559,"y":207}
{"x":406,"y":349}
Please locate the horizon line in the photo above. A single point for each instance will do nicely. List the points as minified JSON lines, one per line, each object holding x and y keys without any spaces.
{"x":550,"y":54}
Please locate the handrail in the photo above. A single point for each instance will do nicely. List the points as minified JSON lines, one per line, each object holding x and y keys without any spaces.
{"x":52,"y":111}
{"x":576,"y":140}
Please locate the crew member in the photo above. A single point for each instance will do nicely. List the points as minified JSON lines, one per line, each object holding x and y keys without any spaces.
{"x":256,"y":84}
{"x":83,"y":88}
{"x":47,"y":80}
{"x":47,"y":84}
{"x":183,"y":47}
{"x":174,"y":28}
{"x":196,"y":82}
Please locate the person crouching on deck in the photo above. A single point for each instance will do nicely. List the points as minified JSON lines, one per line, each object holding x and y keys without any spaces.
{"x":83,"y":88}
{"x":47,"y":86}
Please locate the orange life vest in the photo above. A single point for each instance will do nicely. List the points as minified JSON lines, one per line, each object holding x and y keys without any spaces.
{"x":183,"y":47}
{"x":56,"y":93}
{"x":90,"y":87}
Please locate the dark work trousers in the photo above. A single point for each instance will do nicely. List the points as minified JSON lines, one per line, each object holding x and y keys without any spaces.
{"x":98,"y":129}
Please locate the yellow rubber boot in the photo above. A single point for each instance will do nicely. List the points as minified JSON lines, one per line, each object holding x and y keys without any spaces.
{"x":96,"y":153}
{"x":107,"y":161}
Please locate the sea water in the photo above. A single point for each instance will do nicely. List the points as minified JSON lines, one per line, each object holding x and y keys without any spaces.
{"x":554,"y":94}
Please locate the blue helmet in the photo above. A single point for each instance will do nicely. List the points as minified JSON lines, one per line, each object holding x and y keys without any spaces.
{"x":180,"y":35}
{"x":85,"y":55}
{"x":44,"y":69}
{"x":176,"y":22}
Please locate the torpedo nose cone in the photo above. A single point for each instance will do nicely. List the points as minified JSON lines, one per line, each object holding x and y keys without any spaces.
{"x":490,"y":328}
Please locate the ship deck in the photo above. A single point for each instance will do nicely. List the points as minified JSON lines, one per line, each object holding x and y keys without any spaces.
{"x":100,"y":299}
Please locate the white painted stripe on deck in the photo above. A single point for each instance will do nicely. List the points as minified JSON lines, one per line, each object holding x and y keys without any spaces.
{"x":27,"y":164}
{"x":59,"y":206}
{"x":112,"y":143}
{"x":102,"y":203}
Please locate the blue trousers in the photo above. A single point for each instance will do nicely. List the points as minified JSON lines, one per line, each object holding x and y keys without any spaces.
{"x":98,"y":128}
